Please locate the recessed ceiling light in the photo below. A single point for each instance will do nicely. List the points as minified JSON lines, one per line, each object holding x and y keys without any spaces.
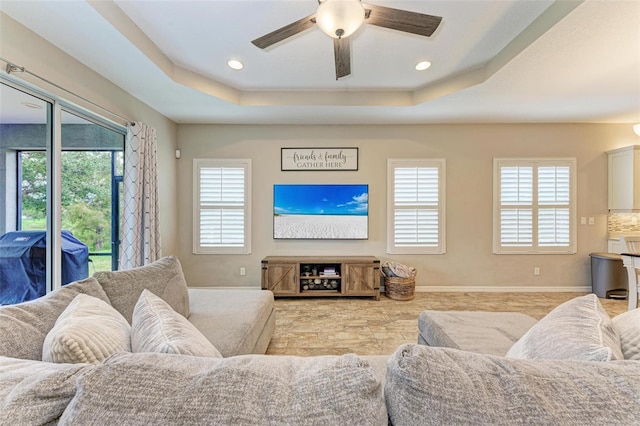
{"x":32,"y":105}
{"x":423,"y":65}
{"x":235,"y":64}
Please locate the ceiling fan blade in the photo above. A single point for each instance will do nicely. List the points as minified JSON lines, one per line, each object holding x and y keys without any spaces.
{"x":402,"y":20}
{"x":285,"y":32}
{"x":342,"y":54}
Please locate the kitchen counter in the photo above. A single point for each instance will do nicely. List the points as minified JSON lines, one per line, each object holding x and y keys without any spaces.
{"x":616,"y":235}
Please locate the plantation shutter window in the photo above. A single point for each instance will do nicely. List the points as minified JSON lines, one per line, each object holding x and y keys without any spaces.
{"x":516,"y":200}
{"x":534,"y":206}
{"x":221,"y":211}
{"x":415,"y":206}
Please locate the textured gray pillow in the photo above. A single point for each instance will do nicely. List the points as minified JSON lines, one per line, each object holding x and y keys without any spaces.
{"x":164,"y":278}
{"x":161,"y":389}
{"x":35,"y":392}
{"x":441,"y":386}
{"x":24,"y":326}
{"x":87,"y":331}
{"x":627,"y":325}
{"x":156,"y":327}
{"x":578,"y":329}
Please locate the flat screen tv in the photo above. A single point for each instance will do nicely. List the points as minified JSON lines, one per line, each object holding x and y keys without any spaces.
{"x":321,"y":212}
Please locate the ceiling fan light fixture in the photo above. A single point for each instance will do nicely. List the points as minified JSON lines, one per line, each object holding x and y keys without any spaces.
{"x":340,"y":18}
{"x":235,"y":64}
{"x":422,"y":65}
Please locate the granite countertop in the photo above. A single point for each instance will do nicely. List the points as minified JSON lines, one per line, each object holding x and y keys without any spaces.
{"x":616,"y":235}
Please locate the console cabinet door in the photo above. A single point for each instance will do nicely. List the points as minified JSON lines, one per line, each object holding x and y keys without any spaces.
{"x":282,"y":278}
{"x":360,"y":280}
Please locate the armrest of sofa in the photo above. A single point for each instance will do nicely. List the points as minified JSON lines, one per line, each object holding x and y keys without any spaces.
{"x":236,"y":322}
{"x":449,"y":386}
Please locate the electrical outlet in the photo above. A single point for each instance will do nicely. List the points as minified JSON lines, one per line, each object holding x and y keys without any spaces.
{"x":634,"y":220}
{"x":536,"y":271}
{"x":243,"y":271}
{"x":583,"y":220}
{"x":592,"y":221}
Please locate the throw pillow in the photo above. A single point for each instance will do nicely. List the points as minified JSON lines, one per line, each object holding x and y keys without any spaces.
{"x":628,"y":327}
{"x":163,"y":278}
{"x":88,"y":330}
{"x":442,"y":386}
{"x":578,"y":329}
{"x":37,"y":317}
{"x":161,"y":389}
{"x":156,"y":327}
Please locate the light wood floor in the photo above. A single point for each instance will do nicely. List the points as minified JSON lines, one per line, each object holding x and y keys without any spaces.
{"x":335,"y":326}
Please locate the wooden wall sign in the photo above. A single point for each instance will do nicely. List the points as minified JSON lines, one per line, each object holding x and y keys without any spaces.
{"x":325,"y":159}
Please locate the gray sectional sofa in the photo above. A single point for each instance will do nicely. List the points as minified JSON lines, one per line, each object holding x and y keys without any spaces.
{"x":170,"y":374}
{"x":236,"y":322}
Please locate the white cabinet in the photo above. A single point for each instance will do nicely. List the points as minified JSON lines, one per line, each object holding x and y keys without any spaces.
{"x":624,"y":178}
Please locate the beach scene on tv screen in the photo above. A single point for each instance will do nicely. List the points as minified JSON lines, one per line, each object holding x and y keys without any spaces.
{"x":320,"y":211}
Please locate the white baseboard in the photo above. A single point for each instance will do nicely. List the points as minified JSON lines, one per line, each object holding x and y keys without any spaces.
{"x":501,"y":289}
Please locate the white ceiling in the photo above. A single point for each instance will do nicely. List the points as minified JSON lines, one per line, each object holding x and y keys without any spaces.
{"x":493,"y":61}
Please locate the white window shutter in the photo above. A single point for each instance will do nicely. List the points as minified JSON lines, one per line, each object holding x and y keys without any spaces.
{"x":516,"y":227}
{"x":516,"y":186}
{"x":534,"y":210}
{"x":415,"y":206}
{"x":554,"y":186}
{"x":222,"y":206}
{"x":516,"y":192}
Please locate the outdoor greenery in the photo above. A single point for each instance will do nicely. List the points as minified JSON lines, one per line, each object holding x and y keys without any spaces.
{"x":86,"y":197}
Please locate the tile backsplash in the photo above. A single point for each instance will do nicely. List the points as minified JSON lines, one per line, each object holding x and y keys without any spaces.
{"x":623,"y":222}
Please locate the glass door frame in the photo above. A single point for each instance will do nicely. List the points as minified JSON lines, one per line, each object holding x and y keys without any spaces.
{"x":55,"y":108}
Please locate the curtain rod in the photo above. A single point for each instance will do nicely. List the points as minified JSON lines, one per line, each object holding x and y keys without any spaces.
{"x":13,"y":68}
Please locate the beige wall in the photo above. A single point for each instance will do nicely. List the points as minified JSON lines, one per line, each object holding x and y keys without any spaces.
{"x":468,"y":149}
{"x":25,"y":48}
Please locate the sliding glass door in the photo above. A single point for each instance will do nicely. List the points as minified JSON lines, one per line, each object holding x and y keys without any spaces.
{"x":60,"y":178}
{"x":26,"y":122}
{"x":92,"y":164}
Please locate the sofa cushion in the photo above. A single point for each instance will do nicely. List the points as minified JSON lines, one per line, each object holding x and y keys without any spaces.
{"x":163,"y":278}
{"x":87,"y":331}
{"x":23,"y":327}
{"x":232,"y":320}
{"x":491,"y":333}
{"x":578,"y":329}
{"x":156,"y":327}
{"x":35,"y":392}
{"x":627,"y":325}
{"x":243,"y":390}
{"x":442,"y":386}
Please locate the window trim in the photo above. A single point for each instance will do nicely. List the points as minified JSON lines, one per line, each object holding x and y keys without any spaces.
{"x":536,"y":162}
{"x":440,"y":164}
{"x":198,"y":163}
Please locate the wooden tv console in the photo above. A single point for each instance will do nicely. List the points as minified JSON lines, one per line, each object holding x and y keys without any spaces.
{"x":301,"y":276}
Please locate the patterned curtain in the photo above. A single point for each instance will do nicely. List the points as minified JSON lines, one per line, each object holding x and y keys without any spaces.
{"x":141,"y":225}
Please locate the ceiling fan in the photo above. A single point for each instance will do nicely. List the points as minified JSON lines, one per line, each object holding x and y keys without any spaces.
{"x":339,"y":19}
